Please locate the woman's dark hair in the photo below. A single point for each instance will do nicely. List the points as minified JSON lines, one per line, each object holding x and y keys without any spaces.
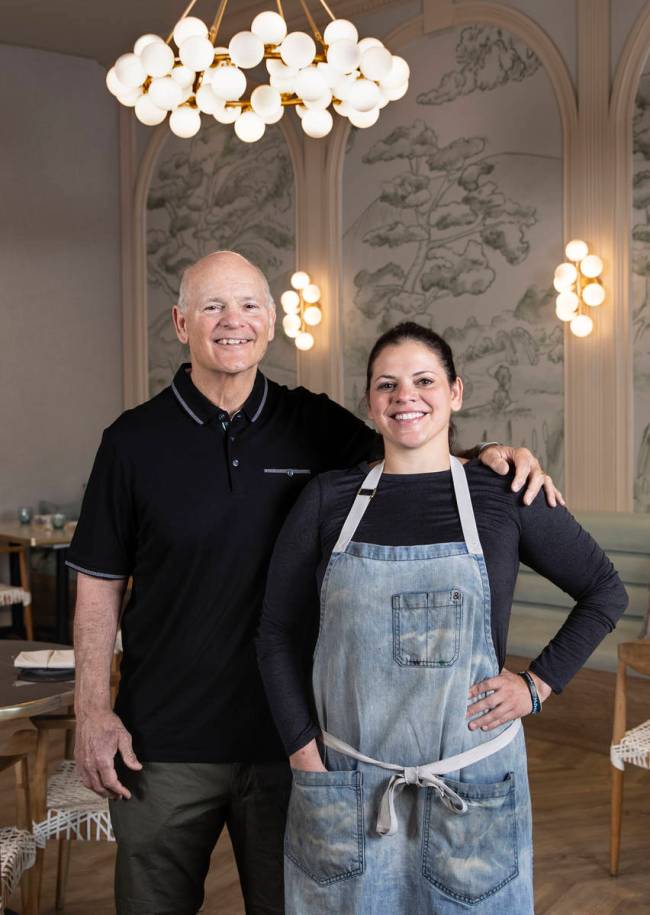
{"x":409,"y":330}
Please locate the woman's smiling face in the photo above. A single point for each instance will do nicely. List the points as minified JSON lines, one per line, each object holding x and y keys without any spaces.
{"x":410,"y":399}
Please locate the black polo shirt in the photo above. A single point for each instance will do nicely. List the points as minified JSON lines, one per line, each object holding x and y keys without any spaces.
{"x":189,"y":502}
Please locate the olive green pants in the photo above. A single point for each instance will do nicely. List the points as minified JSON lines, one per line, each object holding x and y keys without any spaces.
{"x":167,"y":831}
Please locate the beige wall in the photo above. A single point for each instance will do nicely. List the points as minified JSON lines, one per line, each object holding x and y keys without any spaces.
{"x":61,"y":333}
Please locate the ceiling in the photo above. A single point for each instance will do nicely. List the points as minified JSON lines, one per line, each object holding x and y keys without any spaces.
{"x":104,"y":30}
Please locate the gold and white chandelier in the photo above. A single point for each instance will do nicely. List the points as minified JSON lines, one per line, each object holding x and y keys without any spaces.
{"x":302,"y":309}
{"x":309,"y":72}
{"x":578,"y":283}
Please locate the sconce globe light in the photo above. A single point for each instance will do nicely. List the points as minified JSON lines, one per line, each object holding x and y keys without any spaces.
{"x":313,"y":71}
{"x":577,"y":280}
{"x":302,"y":310}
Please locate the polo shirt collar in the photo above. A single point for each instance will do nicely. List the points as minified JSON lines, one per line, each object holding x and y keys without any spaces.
{"x":203,"y":410}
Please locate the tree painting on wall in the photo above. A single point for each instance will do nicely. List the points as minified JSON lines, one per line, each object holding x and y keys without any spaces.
{"x":454,"y":234}
{"x":209,"y":194}
{"x":641,"y":291}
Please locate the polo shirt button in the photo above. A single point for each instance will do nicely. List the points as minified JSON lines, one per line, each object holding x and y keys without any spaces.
{"x":289,"y":473}
{"x":222,"y":416}
{"x":235,"y":463}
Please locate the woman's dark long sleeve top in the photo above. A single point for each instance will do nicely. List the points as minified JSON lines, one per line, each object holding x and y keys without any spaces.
{"x":417,"y":509}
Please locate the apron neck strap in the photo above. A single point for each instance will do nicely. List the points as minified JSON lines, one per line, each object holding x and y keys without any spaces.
{"x":369,"y":488}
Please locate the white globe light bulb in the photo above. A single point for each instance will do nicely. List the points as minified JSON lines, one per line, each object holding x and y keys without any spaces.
{"x":593,"y":295}
{"x":298,"y":50}
{"x":129,"y":97}
{"x":363,"y":118}
{"x":291,"y":324}
{"x":276,"y":67}
{"x":338,"y":29}
{"x":344,"y":56}
{"x":393,"y":93}
{"x":246,"y":50}
{"x":274,"y":117}
{"x":329,"y":74}
{"x":157,"y":59}
{"x":228,"y":83}
{"x":265,"y":101}
{"x":310,"y":84}
{"x":129,"y":70}
{"x":290,"y":302}
{"x":342,"y":108}
{"x":376,"y":63}
{"x":148,"y":113}
{"x":320,"y":103}
{"x":317,"y":123}
{"x":311,"y":293}
{"x":282,"y":85}
{"x":165,"y":93}
{"x":206,"y":100}
{"x":343,"y":87}
{"x":398,"y":75}
{"x":364,"y":95}
{"x":313,"y":315}
{"x":145,"y":40}
{"x":301,"y":111}
{"x":249,"y":127}
{"x":582,"y":326}
{"x":187,"y":28}
{"x":590,"y":266}
{"x":185,"y":122}
{"x":227,"y":115}
{"x":565,"y":305}
{"x":367,"y":43}
{"x":269,"y":27}
{"x":183,"y":76}
{"x":196,"y":52}
{"x":576,"y":250}
{"x":566,"y":275}
{"x":300,"y":279}
{"x":114,"y":86}
{"x":304,"y":340}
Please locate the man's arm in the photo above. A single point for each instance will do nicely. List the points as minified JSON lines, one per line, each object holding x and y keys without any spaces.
{"x":100,"y":733}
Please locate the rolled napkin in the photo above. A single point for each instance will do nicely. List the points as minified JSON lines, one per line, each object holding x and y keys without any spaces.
{"x":53,"y":659}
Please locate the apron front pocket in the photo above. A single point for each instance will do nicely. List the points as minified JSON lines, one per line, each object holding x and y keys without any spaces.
{"x":324,"y":835}
{"x":472,"y":855}
{"x":426,"y":627}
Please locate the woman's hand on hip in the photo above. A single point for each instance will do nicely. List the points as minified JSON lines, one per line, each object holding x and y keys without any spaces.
{"x":509,"y":698}
{"x":307,"y":758}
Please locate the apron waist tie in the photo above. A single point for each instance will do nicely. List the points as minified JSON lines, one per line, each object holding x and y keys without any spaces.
{"x":427,"y":776}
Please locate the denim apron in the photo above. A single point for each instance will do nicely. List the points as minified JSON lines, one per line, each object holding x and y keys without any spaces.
{"x":417,"y":813}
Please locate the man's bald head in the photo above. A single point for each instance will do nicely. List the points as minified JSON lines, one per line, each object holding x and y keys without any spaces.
{"x":219,"y":260}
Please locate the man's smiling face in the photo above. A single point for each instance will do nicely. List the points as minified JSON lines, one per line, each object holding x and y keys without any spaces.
{"x":228,"y":320}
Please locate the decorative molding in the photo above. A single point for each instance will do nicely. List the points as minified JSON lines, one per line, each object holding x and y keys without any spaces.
{"x":621,"y":113}
{"x":437,"y":15}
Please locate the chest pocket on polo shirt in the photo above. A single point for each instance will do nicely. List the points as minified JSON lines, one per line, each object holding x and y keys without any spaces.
{"x":288,"y":471}
{"x":426,"y":627}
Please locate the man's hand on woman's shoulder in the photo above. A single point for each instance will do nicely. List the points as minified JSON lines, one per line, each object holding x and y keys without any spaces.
{"x":528,"y":470}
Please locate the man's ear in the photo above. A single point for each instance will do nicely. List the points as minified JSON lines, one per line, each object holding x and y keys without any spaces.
{"x":180,"y":324}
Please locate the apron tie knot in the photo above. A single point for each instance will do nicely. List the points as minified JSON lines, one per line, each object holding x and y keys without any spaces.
{"x":414,"y":775}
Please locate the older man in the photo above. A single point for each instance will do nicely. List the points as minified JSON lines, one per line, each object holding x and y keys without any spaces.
{"x":187,"y":495}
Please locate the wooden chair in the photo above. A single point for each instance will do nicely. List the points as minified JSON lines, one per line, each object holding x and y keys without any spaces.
{"x":10,"y":594}
{"x":17,"y":845}
{"x":631,"y":746}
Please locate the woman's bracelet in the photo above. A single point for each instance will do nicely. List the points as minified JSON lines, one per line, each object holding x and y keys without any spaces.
{"x":532,"y":689}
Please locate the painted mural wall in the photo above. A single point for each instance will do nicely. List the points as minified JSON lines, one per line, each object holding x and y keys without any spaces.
{"x":208,"y":194}
{"x":641,"y":292}
{"x":453,"y":218}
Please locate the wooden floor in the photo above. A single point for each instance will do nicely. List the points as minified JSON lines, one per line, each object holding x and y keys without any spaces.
{"x":569,"y":776}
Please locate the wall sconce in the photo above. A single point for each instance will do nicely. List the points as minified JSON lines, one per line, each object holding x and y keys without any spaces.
{"x":579,"y":285}
{"x":301,"y":306}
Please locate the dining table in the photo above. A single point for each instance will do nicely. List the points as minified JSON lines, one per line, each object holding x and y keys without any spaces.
{"x":37,"y":536}
{"x":23,"y":699}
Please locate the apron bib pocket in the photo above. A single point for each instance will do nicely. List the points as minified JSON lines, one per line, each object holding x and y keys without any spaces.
{"x":426,"y":628}
{"x":324,"y":836}
{"x":470,"y":856}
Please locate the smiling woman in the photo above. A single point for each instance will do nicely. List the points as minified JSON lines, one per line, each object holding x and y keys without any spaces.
{"x":411,"y":565}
